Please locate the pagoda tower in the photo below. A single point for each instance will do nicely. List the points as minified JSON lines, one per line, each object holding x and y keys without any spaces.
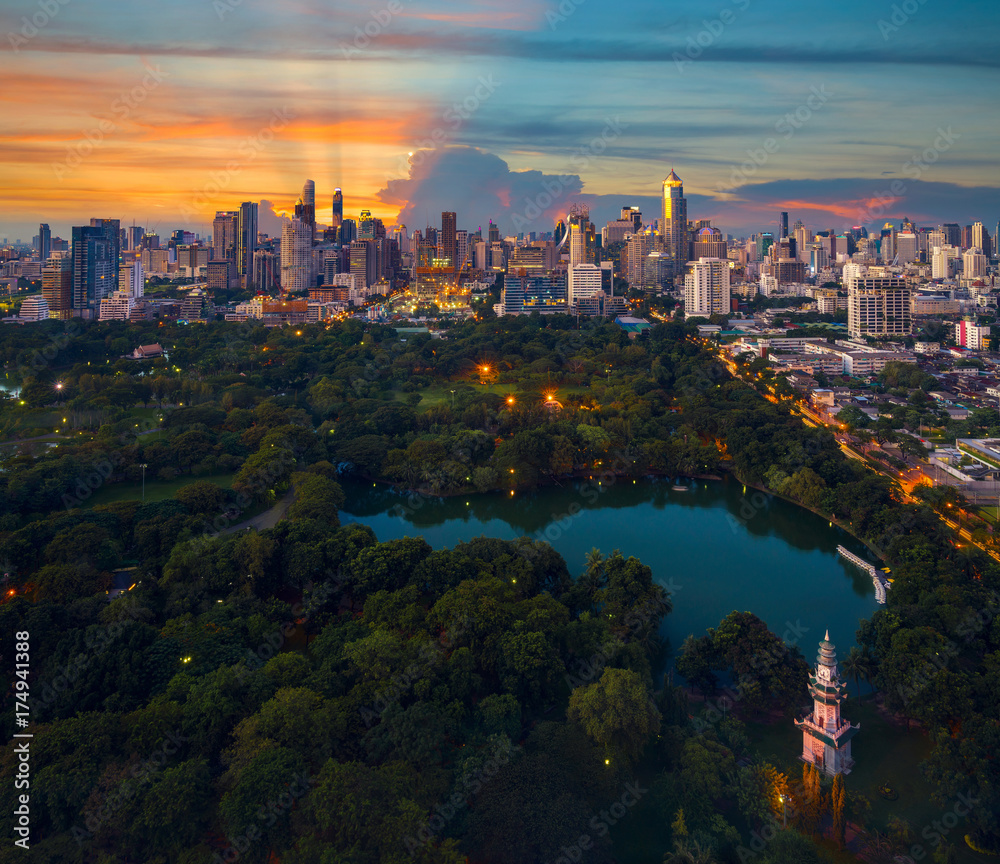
{"x":826,"y":738}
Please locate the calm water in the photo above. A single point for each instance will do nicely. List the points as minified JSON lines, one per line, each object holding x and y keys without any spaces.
{"x":715,"y":547}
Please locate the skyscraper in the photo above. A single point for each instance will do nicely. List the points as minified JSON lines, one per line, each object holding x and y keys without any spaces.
{"x":134,"y":234}
{"x":296,"y":256}
{"x":784,"y":225}
{"x":981,"y":239}
{"x":581,"y":236}
{"x":44,"y":242}
{"x":57,"y":285}
{"x":224,"y":228}
{"x":94,"y":269}
{"x":674,"y":227}
{"x":577,"y":246}
{"x":447,"y":241}
{"x":309,"y":203}
{"x":246,"y":241}
{"x":337,"y":214}
{"x":112,"y":230}
{"x":461,"y":248}
{"x":952,"y":234}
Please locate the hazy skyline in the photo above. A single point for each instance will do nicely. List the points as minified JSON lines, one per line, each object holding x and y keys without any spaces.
{"x":196,"y":106}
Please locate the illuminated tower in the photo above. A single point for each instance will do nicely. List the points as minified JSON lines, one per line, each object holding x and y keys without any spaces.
{"x":337,"y":218}
{"x":309,"y":205}
{"x":674,"y":227}
{"x":826,"y":738}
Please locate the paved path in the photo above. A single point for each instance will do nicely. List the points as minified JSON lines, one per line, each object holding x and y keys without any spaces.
{"x":267,"y":519}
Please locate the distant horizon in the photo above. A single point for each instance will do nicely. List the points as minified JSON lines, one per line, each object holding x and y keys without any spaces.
{"x":417,"y":107}
{"x":603,"y":209}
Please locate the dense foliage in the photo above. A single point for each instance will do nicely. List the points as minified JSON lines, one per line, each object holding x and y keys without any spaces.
{"x":321,"y":691}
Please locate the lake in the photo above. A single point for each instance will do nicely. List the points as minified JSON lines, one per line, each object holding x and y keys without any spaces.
{"x":717,"y":547}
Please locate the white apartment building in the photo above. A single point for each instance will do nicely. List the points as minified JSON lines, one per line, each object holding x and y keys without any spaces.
{"x":707,"y":288}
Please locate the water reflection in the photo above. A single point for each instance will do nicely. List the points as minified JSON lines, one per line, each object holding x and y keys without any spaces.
{"x":719,"y":546}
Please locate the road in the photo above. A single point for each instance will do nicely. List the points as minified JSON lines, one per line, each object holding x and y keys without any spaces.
{"x":850,"y":448}
{"x":267,"y":519}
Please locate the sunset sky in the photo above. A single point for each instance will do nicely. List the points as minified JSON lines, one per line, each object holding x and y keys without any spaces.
{"x":193,"y":106}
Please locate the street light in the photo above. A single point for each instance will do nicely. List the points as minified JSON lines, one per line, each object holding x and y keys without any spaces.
{"x":784,"y":814}
{"x":143,"y":466}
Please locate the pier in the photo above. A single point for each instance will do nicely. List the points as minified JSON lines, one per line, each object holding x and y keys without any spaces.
{"x":878,"y":580}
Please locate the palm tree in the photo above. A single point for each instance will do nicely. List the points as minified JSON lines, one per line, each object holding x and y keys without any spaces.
{"x":852,"y":667}
{"x":867,"y":668}
{"x":594,"y":565}
{"x":689,"y":853}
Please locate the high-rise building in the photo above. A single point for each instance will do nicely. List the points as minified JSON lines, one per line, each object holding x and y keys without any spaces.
{"x":224,"y":229}
{"x":633,"y":266}
{"x":803,"y":237}
{"x":447,"y":242}
{"x":57,"y":285}
{"x":967,"y":237}
{"x":674,"y":226}
{"x":633,"y":215}
{"x":878,"y":306}
{"x":952,"y":234}
{"x":525,"y":293}
{"x":461,"y":248}
{"x":577,"y":245}
{"x":530,"y":259}
{"x":112,"y":230}
{"x":706,"y":288}
{"x":906,"y":247}
{"x":943,"y":260}
{"x":362,"y":261}
{"x":133,"y":235}
{"x":94,"y":269}
{"x":337,"y":211}
{"x":296,"y":256}
{"x":709,"y":243}
{"x":309,"y":205}
{"x":981,"y":239}
{"x":348,"y":232}
{"x":974,"y":264}
{"x":131,"y":279}
{"x":585,"y":280}
{"x":246,"y":241}
{"x":583,"y":238}
{"x":783,"y":224}
{"x":494,"y":233}
{"x":370,"y":228}
{"x":44,"y":242}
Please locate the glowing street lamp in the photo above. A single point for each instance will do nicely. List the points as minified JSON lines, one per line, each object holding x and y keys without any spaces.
{"x":510,"y":400}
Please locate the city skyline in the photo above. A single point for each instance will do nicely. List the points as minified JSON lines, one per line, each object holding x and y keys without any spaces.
{"x":881,"y":117}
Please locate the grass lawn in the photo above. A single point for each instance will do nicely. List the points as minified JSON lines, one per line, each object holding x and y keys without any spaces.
{"x":156,"y":490}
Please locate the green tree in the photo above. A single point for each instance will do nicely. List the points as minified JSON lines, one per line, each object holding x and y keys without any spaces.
{"x":616,"y":712}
